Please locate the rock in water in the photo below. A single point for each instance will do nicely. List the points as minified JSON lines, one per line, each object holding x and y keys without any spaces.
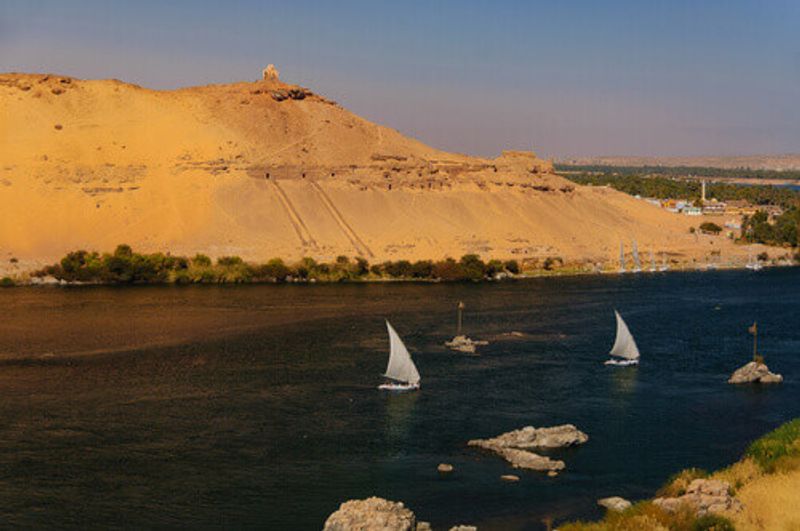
{"x":530,"y":437}
{"x":754,"y":372}
{"x":372,"y":514}
{"x":514,"y":446}
{"x":509,"y":477}
{"x":614,"y":503}
{"x":530,"y":460}
{"x":463,"y":528}
{"x":444,"y":468}
{"x":703,"y":496}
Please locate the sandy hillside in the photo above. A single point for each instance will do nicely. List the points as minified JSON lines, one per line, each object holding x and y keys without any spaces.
{"x":266,"y":169}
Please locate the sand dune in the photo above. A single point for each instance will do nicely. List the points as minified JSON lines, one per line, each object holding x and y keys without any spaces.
{"x":267,"y":169}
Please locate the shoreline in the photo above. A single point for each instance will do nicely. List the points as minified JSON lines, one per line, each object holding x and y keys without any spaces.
{"x":754,"y":492}
{"x":52,"y":282}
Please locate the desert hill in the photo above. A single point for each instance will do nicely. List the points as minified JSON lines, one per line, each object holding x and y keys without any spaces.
{"x":268,"y":169}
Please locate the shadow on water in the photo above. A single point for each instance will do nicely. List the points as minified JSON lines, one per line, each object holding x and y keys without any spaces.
{"x":257,"y":406}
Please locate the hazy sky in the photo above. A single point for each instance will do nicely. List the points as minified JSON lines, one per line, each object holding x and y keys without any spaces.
{"x":621,"y":77}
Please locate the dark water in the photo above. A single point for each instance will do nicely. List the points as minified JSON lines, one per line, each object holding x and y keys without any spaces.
{"x":256,"y":407}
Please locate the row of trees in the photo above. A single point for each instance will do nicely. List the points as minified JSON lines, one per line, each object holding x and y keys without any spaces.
{"x":124,"y":266}
{"x":784,"y":231}
{"x":675,"y":188}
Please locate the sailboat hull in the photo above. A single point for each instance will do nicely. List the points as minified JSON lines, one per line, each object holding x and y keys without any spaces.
{"x":398,"y":387}
{"x":622,"y":363}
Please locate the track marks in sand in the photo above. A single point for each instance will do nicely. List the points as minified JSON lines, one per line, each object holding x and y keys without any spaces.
{"x":357,"y":243}
{"x":297,"y":222}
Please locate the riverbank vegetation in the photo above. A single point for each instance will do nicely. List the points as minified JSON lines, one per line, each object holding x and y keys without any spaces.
{"x":661,"y":187}
{"x":124,"y":266}
{"x":784,"y":230}
{"x":765,"y":480}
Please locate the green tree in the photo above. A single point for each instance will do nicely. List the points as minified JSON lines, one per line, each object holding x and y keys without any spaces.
{"x":201,"y":260}
{"x":512,"y":266}
{"x":473,"y":266}
{"x":710,"y":228}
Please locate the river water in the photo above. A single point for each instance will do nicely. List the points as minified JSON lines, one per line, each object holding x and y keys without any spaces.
{"x":257,"y":407}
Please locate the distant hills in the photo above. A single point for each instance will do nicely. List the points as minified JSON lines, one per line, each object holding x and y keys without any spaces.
{"x":756,"y":162}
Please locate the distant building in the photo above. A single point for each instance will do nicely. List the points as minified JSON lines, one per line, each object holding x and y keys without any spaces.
{"x":714,"y":208}
{"x":773,"y":211}
{"x":739,"y":207}
{"x":692,"y":211}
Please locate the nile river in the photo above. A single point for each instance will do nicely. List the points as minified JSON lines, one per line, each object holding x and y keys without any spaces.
{"x":257,"y":407}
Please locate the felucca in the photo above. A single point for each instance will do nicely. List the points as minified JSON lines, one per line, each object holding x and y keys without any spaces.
{"x":401,"y":371}
{"x":664,"y":265}
{"x":624,"y":346}
{"x":637,"y":264}
{"x":753,"y":265}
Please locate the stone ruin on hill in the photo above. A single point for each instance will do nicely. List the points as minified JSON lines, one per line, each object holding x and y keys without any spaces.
{"x":270,"y":73}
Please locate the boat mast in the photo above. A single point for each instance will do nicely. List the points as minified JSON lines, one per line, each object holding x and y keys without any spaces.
{"x":754,"y":331}
{"x":460,"y":310}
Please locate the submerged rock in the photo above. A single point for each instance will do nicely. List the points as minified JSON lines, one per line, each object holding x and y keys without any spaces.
{"x":509,"y":477}
{"x":514,"y":446}
{"x":463,"y":528}
{"x":754,"y":372}
{"x":444,"y":468}
{"x":529,"y":460}
{"x":372,"y":514}
{"x":464,"y":344}
{"x":614,"y":503}
{"x":703,"y":496}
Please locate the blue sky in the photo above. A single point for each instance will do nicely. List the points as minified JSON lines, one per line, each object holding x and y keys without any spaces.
{"x":565,"y":78}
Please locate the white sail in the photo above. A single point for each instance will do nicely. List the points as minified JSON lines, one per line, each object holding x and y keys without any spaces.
{"x":400,"y":367}
{"x":637,"y":265}
{"x":624,"y":346}
{"x":621,"y":257}
{"x":652,"y":261}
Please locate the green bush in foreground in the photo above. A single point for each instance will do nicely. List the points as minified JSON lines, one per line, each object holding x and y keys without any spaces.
{"x":6,"y":282}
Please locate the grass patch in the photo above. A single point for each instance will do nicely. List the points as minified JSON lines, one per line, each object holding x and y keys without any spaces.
{"x":779,"y":450}
{"x":769,"y":499}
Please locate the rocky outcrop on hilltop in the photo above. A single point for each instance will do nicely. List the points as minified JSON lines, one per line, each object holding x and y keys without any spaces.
{"x":754,"y":372}
{"x":514,"y":446}
{"x":703,"y":496}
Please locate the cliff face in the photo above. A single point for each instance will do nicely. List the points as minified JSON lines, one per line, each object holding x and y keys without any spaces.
{"x":267,"y":169}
